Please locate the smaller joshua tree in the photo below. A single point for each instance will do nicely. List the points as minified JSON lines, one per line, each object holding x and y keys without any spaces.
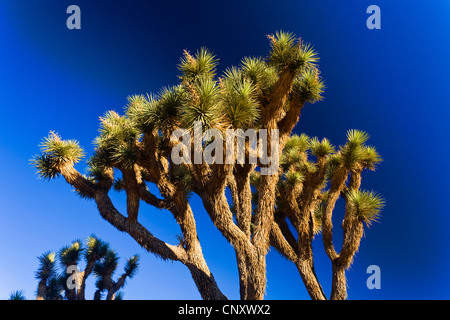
{"x":70,"y":284}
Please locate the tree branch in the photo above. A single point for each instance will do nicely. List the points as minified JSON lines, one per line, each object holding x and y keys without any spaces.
{"x":279,"y":241}
{"x":337,"y":184}
{"x":142,"y":236}
{"x":151,"y":199}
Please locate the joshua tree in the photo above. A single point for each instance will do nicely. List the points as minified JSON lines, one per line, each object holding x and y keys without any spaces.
{"x":98,"y":257}
{"x":105,"y":268}
{"x":136,"y":150}
{"x":45,"y":273}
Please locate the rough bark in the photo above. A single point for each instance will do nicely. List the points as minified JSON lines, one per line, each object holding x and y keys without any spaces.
{"x":42,"y":290}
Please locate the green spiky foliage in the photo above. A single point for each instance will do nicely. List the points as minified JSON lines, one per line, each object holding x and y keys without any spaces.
{"x":355,"y":154}
{"x":116,"y":142}
{"x":96,"y":249}
{"x":46,"y":268}
{"x":260,"y":73}
{"x":204,"y":106}
{"x":71,"y":254}
{"x":320,"y":148}
{"x":55,"y":154}
{"x":107,"y":265}
{"x":17,"y":295}
{"x":119,"y":295}
{"x":132,"y":266}
{"x":365,"y":205}
{"x":308,"y":86}
{"x":287,"y":51}
{"x":202,"y":65}
{"x":100,"y":288}
{"x":55,"y":288}
{"x":294,"y":159}
{"x":241,"y":106}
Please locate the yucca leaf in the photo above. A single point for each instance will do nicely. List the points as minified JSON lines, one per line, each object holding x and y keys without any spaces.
{"x":56,"y":152}
{"x":54,"y":288}
{"x":107,"y":265}
{"x":293,"y":178}
{"x":204,"y":105}
{"x":366,"y":205}
{"x":370,"y":157}
{"x":131,"y":266}
{"x":308,"y":87}
{"x":95,"y":248}
{"x":46,"y":266}
{"x":320,"y":148}
{"x":119,"y":295}
{"x":70,"y":255}
{"x":17,"y":295}
{"x":115,"y":129}
{"x":299,"y":143}
{"x":203,"y":64}
{"x":241,"y":105}
{"x":356,"y":137}
{"x":45,"y":166}
{"x":289,"y":52}
{"x":125,"y":155}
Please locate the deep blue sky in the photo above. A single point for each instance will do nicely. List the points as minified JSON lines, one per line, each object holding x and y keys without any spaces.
{"x":392,"y":83}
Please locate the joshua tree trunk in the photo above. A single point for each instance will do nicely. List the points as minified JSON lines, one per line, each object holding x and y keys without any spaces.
{"x":42,"y":289}
{"x":191,"y":255}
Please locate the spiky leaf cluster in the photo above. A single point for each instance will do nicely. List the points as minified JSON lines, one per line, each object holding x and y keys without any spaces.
{"x":107,"y":265}
{"x":55,"y":153}
{"x":204,"y":105}
{"x":96,"y":249}
{"x":260,"y":73}
{"x":131,"y":266}
{"x":366,"y":205}
{"x":17,"y":295}
{"x":46,"y":268}
{"x":355,"y":154}
{"x":241,"y":106}
{"x":71,"y":254}
{"x":116,"y":142}
{"x":289,"y":52}
{"x":320,"y":148}
{"x":203,"y":64}
{"x":308,"y":86}
{"x":295,"y":155}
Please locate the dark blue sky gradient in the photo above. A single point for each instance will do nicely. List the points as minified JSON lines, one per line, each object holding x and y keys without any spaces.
{"x":392,"y":83}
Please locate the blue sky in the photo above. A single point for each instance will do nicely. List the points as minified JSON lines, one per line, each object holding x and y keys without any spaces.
{"x":392,"y":83}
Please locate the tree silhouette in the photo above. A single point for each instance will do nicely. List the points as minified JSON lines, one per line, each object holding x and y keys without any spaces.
{"x":283,"y":209}
{"x":17,"y":295}
{"x":70,"y":282}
